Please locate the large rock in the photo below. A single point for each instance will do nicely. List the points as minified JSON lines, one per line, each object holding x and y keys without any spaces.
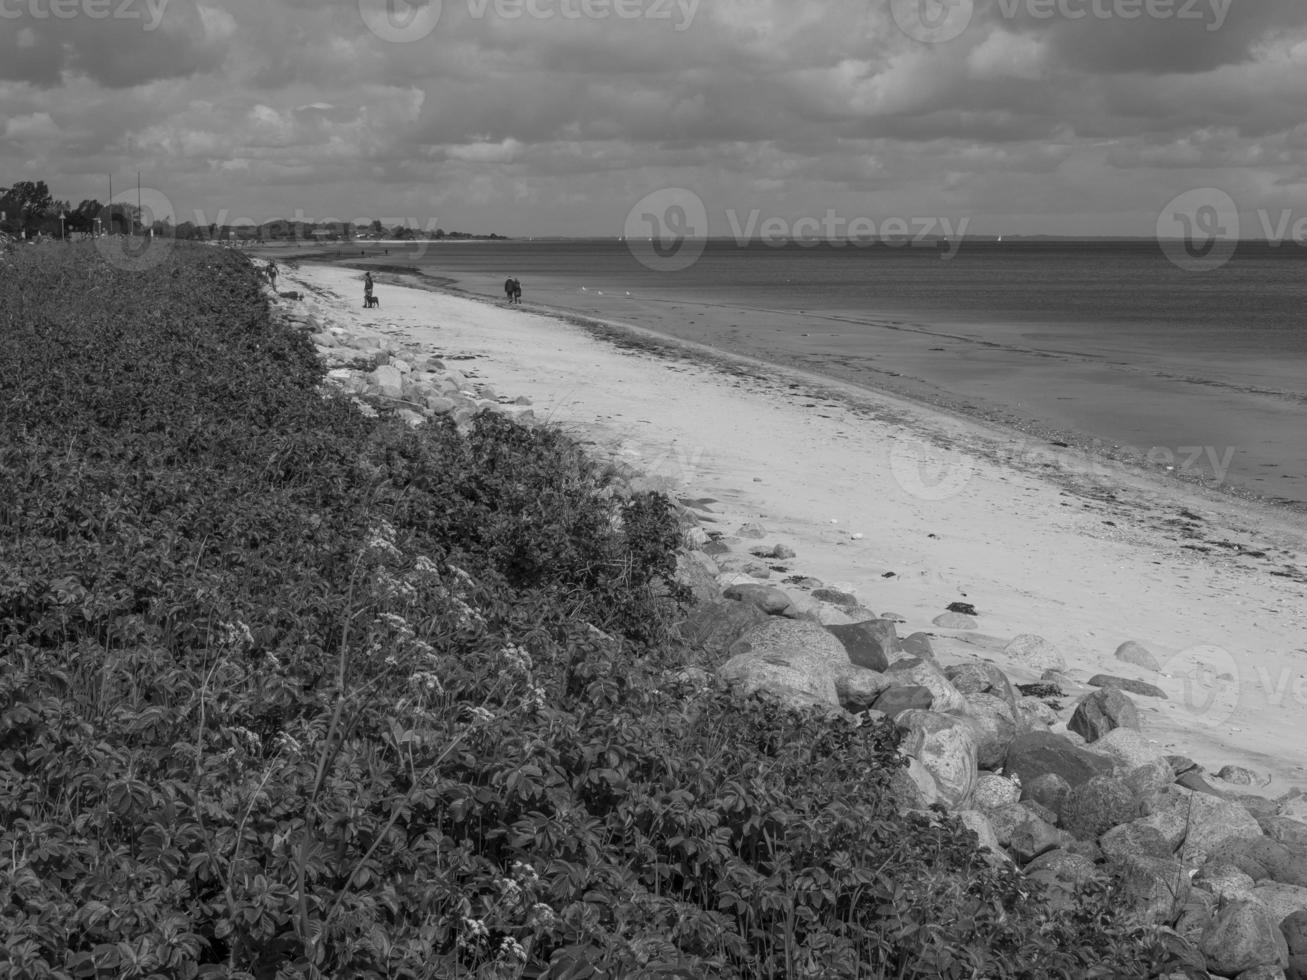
{"x":1225,"y":881}
{"x":913,"y":787}
{"x":994,"y":724}
{"x":897,"y":700}
{"x":858,"y":689}
{"x":1153,"y":889}
{"x":1195,"y":824}
{"x":1129,"y":749}
{"x":947,"y":748}
{"x":1033,"y":837}
{"x":1242,"y":936}
{"x":1097,"y":805}
{"x":1263,"y":859}
{"x":954,"y":621}
{"x":1134,"y":840}
{"x":1295,"y":933}
{"x":918,"y":646}
{"x":713,"y":628}
{"x":1101,"y":712}
{"x":993,"y":792}
{"x":1037,"y":753}
{"x":873,"y":644}
{"x":981,"y":677}
{"x":387,"y":381}
{"x":797,"y":662}
{"x":1035,"y":653}
{"x":1137,"y":654}
{"x":1048,"y":790}
{"x":1282,"y":900}
{"x":1286,"y":830}
{"x":924,"y":673}
{"x":771,"y":600}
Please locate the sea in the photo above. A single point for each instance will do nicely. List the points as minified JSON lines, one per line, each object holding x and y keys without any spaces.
{"x":1199,"y":373}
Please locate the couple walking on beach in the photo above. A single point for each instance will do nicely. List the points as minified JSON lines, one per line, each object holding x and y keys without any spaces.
{"x":513,"y":291}
{"x":369,"y":301}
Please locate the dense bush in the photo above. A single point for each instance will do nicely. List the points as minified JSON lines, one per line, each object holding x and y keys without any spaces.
{"x":285,"y":691}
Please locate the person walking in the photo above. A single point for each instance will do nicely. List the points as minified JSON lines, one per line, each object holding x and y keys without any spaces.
{"x":517,"y":292}
{"x":367,"y":289}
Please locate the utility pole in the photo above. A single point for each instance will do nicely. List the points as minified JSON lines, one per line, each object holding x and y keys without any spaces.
{"x":110,"y":205}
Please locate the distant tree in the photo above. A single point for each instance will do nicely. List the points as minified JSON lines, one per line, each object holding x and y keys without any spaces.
{"x":26,"y":205}
{"x":377,"y":228}
{"x":402,"y":233}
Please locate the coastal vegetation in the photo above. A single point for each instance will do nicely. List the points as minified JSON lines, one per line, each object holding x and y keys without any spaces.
{"x":288,"y":691}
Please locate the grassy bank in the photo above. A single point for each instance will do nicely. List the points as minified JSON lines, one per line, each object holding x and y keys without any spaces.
{"x":285,"y":691}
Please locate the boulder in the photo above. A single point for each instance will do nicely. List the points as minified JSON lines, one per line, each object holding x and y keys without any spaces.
{"x":1048,"y":790}
{"x":981,"y":677}
{"x":993,"y":792}
{"x":1034,"y":653}
{"x":713,"y":628}
{"x":994,"y":723}
{"x":697,"y":572}
{"x":1033,"y":837}
{"x":918,"y":645}
{"x":924,"y":673}
{"x":387,"y":381}
{"x":1101,"y":712}
{"x":913,"y":787}
{"x":1139,"y":655}
{"x":1129,"y":750}
{"x":1097,"y":805}
{"x":896,"y":700}
{"x":1037,"y":753}
{"x":1263,"y":859}
{"x":873,"y":644}
{"x":1127,"y":684}
{"x":947,"y":749}
{"x":1282,"y":900}
{"x":1224,"y":881}
{"x":1237,"y":775}
{"x":797,"y":662}
{"x":772,"y":601}
{"x":1153,"y":889}
{"x":1285,"y":830}
{"x":1240,"y":937}
{"x":858,"y":689}
{"x":1150,"y":780}
{"x":1062,"y":869}
{"x":1035,"y":714}
{"x":1212,"y":821}
{"x":1134,"y":839}
{"x":1294,"y":928}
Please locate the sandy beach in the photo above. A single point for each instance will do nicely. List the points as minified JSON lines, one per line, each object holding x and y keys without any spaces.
{"x":912,"y":508}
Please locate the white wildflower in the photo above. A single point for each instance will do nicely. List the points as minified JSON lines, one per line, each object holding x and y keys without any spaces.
{"x":287,"y":743}
{"x":535,"y":700}
{"x":483,"y":714}
{"x":427,"y":681}
{"x":423,"y":565}
{"x":235,"y":634}
{"x":510,"y":889}
{"x":542,"y":916}
{"x":465,"y":580}
{"x":252,"y":741}
{"x":512,"y":949}
{"x":524,"y":871}
{"x":518,"y":657}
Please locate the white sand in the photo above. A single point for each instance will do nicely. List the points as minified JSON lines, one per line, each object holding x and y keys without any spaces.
{"x":863,"y":484}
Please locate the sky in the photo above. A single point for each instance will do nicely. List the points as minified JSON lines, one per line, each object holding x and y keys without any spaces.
{"x":598,"y":117}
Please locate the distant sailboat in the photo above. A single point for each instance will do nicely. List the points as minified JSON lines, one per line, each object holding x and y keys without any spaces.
{"x":999,"y":241}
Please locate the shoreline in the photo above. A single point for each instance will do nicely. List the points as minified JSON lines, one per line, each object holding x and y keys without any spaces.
{"x":1088,"y":560}
{"x":1201,"y":468}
